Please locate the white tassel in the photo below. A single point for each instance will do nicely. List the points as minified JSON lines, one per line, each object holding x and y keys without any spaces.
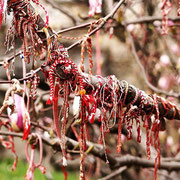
{"x":64,"y":161}
{"x":76,"y":106}
{"x":5,"y":6}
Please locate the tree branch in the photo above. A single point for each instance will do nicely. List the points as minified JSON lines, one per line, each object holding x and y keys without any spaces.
{"x":129,"y":160}
{"x":98,"y":151}
{"x":149,"y":19}
{"x":166,"y":109}
{"x":110,"y":15}
{"x":114,"y":173}
{"x":64,"y":11}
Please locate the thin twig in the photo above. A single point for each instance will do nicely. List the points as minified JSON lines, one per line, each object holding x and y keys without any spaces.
{"x":114,"y":173}
{"x":149,"y":19}
{"x":10,"y":58}
{"x":5,"y":82}
{"x":64,"y":11}
{"x":129,"y":160}
{"x":74,"y":27}
{"x":110,"y":15}
{"x":29,"y":75}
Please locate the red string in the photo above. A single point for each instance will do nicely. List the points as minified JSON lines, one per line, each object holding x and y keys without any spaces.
{"x":65,"y":172}
{"x":98,"y":53}
{"x":1,"y":11}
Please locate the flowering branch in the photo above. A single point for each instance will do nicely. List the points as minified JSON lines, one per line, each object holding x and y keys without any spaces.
{"x":151,"y":86}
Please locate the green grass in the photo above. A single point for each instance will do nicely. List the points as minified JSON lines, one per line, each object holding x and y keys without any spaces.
{"x":19,"y":173}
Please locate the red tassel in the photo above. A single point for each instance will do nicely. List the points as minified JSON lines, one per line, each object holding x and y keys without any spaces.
{"x":26,"y":129}
{"x":48,"y":102}
{"x":92,"y":118}
{"x":118,"y":149}
{"x":1,"y":12}
{"x":65,"y":172}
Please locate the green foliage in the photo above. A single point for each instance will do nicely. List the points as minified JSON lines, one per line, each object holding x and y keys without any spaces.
{"x":19,"y":174}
